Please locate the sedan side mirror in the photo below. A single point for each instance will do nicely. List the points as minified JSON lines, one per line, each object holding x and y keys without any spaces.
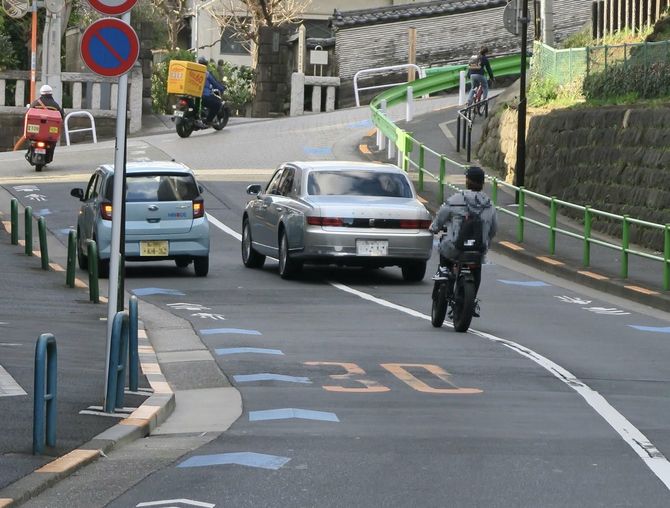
{"x":77,"y":193}
{"x":254,"y":189}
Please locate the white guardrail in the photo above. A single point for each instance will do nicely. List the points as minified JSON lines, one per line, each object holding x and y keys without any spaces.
{"x":91,"y":128}
{"x":419,"y":70}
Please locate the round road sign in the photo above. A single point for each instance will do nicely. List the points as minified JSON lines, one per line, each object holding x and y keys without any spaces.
{"x":112,"y":7}
{"x":110,"y":47}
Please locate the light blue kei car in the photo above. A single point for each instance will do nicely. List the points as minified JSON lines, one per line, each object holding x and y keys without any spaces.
{"x":165,"y":216}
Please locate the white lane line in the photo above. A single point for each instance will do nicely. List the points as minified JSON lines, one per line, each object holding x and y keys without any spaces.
{"x":9,"y":387}
{"x":447,"y":133}
{"x":223,"y":227}
{"x":632,"y":436}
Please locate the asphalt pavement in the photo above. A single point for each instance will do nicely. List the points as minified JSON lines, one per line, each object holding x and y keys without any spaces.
{"x":37,"y":301}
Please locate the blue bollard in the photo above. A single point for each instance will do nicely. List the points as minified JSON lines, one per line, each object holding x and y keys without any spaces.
{"x":133,"y":354}
{"x":46,"y":362}
{"x":117,"y":363}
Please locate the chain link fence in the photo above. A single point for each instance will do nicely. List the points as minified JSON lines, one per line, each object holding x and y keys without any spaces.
{"x":641,"y":69}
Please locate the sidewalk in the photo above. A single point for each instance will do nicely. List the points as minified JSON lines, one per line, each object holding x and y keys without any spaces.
{"x":37,"y":301}
{"x":437,"y":130}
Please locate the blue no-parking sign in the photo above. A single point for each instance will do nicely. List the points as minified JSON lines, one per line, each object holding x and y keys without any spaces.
{"x":110,"y":47}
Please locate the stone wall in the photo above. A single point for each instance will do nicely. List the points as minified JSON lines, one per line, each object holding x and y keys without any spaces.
{"x":615,"y":159}
{"x":272,"y":78}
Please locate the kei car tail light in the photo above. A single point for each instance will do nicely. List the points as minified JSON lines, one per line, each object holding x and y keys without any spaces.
{"x":414,"y":224}
{"x":198,"y":208}
{"x":106,"y":211}
{"x":325,"y":221}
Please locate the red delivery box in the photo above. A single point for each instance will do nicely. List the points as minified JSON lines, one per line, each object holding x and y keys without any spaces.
{"x":43,"y":125}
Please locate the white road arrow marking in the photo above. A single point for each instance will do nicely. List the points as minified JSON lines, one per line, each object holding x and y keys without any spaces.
{"x":167,"y":503}
{"x":8,"y":386}
{"x":613,"y":311}
{"x":36,"y":197}
{"x":569,"y":299}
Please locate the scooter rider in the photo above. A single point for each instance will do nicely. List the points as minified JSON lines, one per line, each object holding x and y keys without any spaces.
{"x":210,"y":100}
{"x":452,"y":213}
{"x":46,"y":101}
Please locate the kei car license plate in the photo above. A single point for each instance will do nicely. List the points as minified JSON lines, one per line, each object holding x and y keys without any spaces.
{"x":372,"y":247}
{"x":179,"y":114}
{"x":154,"y":248}
{"x":42,"y":151}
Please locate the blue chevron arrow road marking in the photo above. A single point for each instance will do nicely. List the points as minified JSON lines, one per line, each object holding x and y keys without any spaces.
{"x":289,"y":412}
{"x":657,"y":329}
{"x":361,"y":125}
{"x":241,"y":331}
{"x":318,"y":150}
{"x":157,"y":291}
{"x":246,"y":378}
{"x":529,"y":283}
{"x":249,"y":459}
{"x":242,"y":350}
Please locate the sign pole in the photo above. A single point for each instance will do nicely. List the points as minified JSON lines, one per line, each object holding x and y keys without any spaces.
{"x":520,"y":170}
{"x":33,"y":52}
{"x":117,"y":205}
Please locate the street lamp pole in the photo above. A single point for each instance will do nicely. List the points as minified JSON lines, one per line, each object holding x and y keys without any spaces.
{"x":520,"y":170}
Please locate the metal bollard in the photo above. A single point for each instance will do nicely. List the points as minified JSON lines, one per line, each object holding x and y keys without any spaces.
{"x":15,"y":221}
{"x":46,"y":364}
{"x":133,"y":353}
{"x":117,"y":363}
{"x":44,"y":248}
{"x":28,"y":221}
{"x":71,"y":258}
{"x":93,"y":287}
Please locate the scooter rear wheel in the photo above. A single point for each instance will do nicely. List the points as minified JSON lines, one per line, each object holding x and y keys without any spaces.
{"x":38,"y":167}
{"x":464,"y":305}
{"x":184,"y":127}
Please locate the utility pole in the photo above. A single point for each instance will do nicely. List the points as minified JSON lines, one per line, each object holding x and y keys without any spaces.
{"x":520,"y":170}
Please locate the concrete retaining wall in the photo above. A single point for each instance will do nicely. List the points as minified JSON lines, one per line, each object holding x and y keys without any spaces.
{"x":615,"y":159}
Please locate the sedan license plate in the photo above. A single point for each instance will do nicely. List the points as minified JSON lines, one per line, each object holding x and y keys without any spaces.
{"x":179,"y":114}
{"x":372,"y":247}
{"x":42,"y":151}
{"x":154,"y":248}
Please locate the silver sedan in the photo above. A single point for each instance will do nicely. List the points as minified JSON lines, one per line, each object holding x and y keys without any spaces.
{"x":343,"y":213}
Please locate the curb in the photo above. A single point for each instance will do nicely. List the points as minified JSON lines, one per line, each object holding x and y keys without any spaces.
{"x":154,"y":411}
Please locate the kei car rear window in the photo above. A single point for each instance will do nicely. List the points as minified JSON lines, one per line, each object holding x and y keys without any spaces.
{"x":358,"y":183}
{"x":157,"y":187}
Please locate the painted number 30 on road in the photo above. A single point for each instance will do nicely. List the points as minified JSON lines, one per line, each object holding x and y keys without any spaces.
{"x":354,"y":374}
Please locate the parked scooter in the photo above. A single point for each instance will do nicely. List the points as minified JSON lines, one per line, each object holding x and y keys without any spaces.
{"x":189,"y":115}
{"x":461,"y":300}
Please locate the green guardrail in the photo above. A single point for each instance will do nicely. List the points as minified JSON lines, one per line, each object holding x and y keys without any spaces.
{"x":407,"y":145}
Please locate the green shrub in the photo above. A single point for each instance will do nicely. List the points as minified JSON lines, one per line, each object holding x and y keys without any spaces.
{"x":542,"y":91}
{"x":629,"y":79}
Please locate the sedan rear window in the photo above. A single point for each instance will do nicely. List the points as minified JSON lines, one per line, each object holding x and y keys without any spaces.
{"x":157,"y":187}
{"x":358,"y":183}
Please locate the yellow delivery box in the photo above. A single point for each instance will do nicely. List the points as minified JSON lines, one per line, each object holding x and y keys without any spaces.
{"x":186,"y":78}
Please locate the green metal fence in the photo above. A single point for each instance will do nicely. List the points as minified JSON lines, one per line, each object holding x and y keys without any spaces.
{"x":562,"y":66}
{"x":413,"y":154}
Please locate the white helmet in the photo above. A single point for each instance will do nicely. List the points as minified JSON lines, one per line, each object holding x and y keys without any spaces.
{"x":46,"y":90}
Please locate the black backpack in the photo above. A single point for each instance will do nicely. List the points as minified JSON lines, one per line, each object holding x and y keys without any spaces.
{"x":471,"y":235}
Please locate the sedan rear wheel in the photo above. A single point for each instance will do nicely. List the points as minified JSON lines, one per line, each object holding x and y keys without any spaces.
{"x":414,"y":272}
{"x":287,"y":267}
{"x":250,"y":257}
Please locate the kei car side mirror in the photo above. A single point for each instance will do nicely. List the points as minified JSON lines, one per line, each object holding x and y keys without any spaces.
{"x":254,"y":189}
{"x":77,"y":193}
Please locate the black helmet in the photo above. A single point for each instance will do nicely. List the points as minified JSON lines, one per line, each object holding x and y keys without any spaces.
{"x":202,"y":60}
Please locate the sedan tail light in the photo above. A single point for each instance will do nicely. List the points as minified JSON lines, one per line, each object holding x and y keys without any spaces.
{"x":106,"y":210}
{"x":325,"y":221}
{"x":198,"y":208}
{"x":415,"y":224}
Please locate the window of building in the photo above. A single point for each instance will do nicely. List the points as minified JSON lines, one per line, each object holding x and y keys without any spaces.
{"x":231,"y":43}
